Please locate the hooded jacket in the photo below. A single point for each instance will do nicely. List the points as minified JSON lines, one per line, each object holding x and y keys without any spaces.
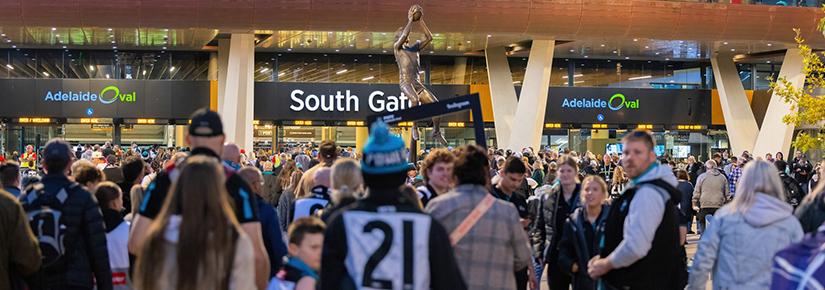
{"x":712,"y":190}
{"x":739,"y":246}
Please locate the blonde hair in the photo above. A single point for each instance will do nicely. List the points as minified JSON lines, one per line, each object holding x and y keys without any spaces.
{"x":346,"y":179}
{"x":758,"y":176}
{"x":598,"y":180}
{"x":618,"y":175}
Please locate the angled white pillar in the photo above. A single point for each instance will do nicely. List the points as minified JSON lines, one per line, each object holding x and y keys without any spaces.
{"x":775,"y":135}
{"x":502,"y":93}
{"x":739,"y":120}
{"x":236,"y":95}
{"x":532,"y":102}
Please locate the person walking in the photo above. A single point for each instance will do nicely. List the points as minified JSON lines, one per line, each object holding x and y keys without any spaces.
{"x":811,"y":212}
{"x":270,"y":225}
{"x":10,"y":177}
{"x":19,"y":248}
{"x":739,"y":247}
{"x":286,"y":200}
{"x":206,"y":136}
{"x":201,"y":245}
{"x":640,"y":247}
{"x":437,"y":171}
{"x":558,"y":203}
{"x":579,"y":242}
{"x":133,"y":170}
{"x":686,"y":203}
{"x":110,"y":199}
{"x":347,"y":186}
{"x":390,"y":243}
{"x":711,"y":192}
{"x":693,"y":168}
{"x":79,"y":221}
{"x":512,"y":177}
{"x":493,"y":245}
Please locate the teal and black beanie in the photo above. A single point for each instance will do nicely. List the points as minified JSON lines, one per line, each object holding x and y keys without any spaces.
{"x":384,"y":153}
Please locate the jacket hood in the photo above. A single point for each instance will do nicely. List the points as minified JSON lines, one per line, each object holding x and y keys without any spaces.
{"x":714,"y":172}
{"x":172,"y":231}
{"x":767,"y":210}
{"x":658,"y":172}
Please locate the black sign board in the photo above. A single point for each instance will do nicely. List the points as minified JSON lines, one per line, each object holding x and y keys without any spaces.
{"x":428,"y":111}
{"x":84,"y":98}
{"x":628,"y":106}
{"x":339,"y":101}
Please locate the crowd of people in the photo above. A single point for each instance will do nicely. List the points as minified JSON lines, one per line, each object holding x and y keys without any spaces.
{"x":214,"y":216}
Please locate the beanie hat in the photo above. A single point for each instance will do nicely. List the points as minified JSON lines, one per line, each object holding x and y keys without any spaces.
{"x":383,"y":153}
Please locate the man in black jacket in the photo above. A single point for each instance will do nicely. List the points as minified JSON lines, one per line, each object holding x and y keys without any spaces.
{"x":84,"y":261}
{"x":384,"y":241}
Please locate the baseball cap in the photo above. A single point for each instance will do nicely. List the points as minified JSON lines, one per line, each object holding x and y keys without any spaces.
{"x":205,"y":123}
{"x":384,"y":153}
{"x":57,"y":150}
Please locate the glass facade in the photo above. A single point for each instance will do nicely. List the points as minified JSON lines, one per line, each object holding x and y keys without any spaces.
{"x":98,"y":64}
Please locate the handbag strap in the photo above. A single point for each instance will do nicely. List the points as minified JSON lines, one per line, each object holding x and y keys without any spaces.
{"x":471,"y":219}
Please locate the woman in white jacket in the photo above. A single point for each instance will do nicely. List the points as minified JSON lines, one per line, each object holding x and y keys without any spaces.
{"x":740,"y":244}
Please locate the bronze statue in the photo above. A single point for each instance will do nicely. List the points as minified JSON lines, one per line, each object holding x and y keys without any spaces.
{"x":409,"y":66}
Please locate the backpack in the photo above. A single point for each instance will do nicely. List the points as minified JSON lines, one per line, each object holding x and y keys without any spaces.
{"x":801,"y":265}
{"x":45,"y":213}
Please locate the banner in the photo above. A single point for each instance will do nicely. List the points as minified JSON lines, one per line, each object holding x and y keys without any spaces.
{"x":78,"y":98}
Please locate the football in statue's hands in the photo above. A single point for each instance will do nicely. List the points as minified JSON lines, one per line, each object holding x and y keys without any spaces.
{"x":417,"y":12}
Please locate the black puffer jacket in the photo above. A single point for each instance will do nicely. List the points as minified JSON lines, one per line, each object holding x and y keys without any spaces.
{"x":546,"y":204}
{"x":87,"y":259}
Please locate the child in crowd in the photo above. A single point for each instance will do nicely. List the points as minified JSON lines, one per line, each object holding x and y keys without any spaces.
{"x":306,"y":240}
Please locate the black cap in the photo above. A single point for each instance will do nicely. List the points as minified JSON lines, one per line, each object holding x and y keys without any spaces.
{"x":205,"y":123}
{"x":57,"y":150}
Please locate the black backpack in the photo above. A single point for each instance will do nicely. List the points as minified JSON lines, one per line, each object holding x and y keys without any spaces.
{"x":46,"y":219}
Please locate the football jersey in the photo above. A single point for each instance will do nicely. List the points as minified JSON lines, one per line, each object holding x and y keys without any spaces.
{"x":304,"y":207}
{"x":385,"y":249}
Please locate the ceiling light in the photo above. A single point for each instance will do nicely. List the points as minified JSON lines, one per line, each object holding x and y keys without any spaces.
{"x":585,"y":56}
{"x":657,"y":53}
{"x":770,"y":44}
{"x":64,"y":47}
{"x":341,"y":71}
{"x":647,"y":47}
{"x":107,"y":76}
{"x":9,"y":66}
{"x":108,"y":29}
{"x":640,"y":78}
{"x":449,"y":47}
{"x":14,"y":46}
{"x":8,"y":40}
{"x":45,"y":74}
{"x":54,"y":28}
{"x":113,"y":42}
{"x":337,"y":50}
{"x":163,"y":47}
{"x":352,"y":45}
{"x":635,"y":39}
{"x":144,"y":72}
{"x":516,"y":82}
{"x":172,"y":68}
{"x":431,"y":52}
{"x":3,"y":34}
{"x":488,"y":35}
{"x":281,"y":74}
{"x":61,"y":42}
{"x":602,"y":45}
{"x":367,"y":39}
{"x":615,"y":51}
{"x":288,"y":49}
{"x":368,"y":78}
{"x":114,"y":47}
{"x":575,"y":76}
{"x":578,"y":82}
{"x":165,"y":29}
{"x":265,"y":69}
{"x":468,"y":41}
{"x":626,"y":57}
{"x":91,"y":68}
{"x":57,"y":35}
{"x":572,"y":50}
{"x":667,"y":58}
{"x":385,"y":51}
{"x":732,"y":49}
{"x":768,"y":61}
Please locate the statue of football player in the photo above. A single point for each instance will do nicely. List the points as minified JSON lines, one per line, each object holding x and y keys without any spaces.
{"x":409,"y":66}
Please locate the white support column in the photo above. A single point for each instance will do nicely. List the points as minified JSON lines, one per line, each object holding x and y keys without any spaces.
{"x":739,"y":120}
{"x":532,"y":102}
{"x":775,"y":135}
{"x":502,"y":93}
{"x":236,"y":103}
